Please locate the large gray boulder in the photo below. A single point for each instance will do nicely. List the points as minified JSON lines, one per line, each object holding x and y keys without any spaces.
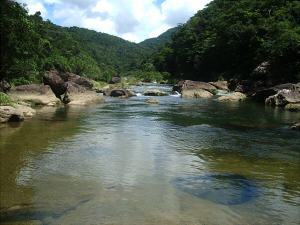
{"x":262,"y":94}
{"x":39,"y":95}
{"x":115,"y":80}
{"x":220,"y":85}
{"x":197,"y":93}
{"x":155,"y":93}
{"x":56,"y":83}
{"x":193,"y":85}
{"x":285,"y":96}
{"x":9,"y":113}
{"x":77,"y":95}
{"x":118,"y":91}
{"x":236,"y":96}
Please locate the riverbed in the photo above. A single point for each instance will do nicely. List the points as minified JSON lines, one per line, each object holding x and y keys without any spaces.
{"x":182,"y":161}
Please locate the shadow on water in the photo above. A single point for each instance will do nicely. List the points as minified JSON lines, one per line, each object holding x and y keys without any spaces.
{"x":225,"y":189}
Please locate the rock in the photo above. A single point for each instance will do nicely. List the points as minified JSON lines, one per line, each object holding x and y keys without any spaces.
{"x":82,"y":81}
{"x":200,"y":93}
{"x":193,"y":85}
{"x":295,"y":125}
{"x":65,"y":76}
{"x":39,"y":95}
{"x":234,"y":82}
{"x":293,"y":107}
{"x":242,"y":89}
{"x":220,"y":85}
{"x":261,"y":72}
{"x":115,"y":80}
{"x":117,"y":91}
{"x":284,"y":97}
{"x":261,"y":95}
{"x":9,"y":113}
{"x":156,"y":93}
{"x":56,"y":83}
{"x":4,"y":86}
{"x":236,"y":96}
{"x":26,"y":110}
{"x":153,"y":101}
{"x":77,"y":95}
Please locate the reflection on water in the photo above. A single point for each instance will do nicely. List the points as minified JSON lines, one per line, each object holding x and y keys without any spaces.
{"x":182,"y":161}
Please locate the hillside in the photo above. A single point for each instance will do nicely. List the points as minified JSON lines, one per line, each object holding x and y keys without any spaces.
{"x":233,"y":37}
{"x":160,"y":40}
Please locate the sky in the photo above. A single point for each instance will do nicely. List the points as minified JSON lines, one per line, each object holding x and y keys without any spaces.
{"x":132,"y":20}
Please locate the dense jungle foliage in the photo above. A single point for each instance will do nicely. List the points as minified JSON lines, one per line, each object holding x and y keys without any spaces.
{"x":224,"y":39}
{"x":231,"y":37}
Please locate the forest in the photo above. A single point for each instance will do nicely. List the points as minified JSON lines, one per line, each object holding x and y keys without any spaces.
{"x":224,"y":39}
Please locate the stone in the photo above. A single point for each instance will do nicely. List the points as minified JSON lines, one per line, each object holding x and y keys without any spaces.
{"x":153,"y":101}
{"x":262,"y":94}
{"x":9,"y":113}
{"x":82,"y":81}
{"x":295,"y":125}
{"x":220,"y":85}
{"x":77,"y":95}
{"x":293,"y":107}
{"x":115,"y":80}
{"x":236,"y":96}
{"x":284,"y":97}
{"x":234,"y":82}
{"x":118,"y":91}
{"x":261,"y":72}
{"x":39,"y":95}
{"x":193,"y":85}
{"x":4,"y":86}
{"x":200,"y":93}
{"x":56,"y":83}
{"x":155,"y":93}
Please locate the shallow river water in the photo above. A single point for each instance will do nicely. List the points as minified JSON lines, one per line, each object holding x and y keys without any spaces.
{"x":182,"y":161}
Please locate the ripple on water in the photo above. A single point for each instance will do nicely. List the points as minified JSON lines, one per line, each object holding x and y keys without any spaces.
{"x":225,"y":189}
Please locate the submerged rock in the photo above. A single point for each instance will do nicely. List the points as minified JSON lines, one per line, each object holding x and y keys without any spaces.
{"x":225,"y":189}
{"x":295,"y":125}
{"x":293,"y":107}
{"x":153,"y":101}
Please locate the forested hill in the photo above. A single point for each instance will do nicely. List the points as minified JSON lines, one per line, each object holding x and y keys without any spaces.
{"x":233,"y":37}
{"x":160,"y":40}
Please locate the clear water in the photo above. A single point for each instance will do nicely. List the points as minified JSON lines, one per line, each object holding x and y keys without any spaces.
{"x":181,"y":161}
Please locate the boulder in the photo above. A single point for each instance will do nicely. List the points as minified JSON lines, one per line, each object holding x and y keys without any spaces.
{"x":115,"y":80}
{"x":262,"y":94}
{"x":82,"y":81}
{"x":56,"y":83}
{"x":220,"y":85}
{"x":293,"y":107}
{"x":261,"y":72}
{"x":242,"y":89}
{"x":295,"y":125}
{"x":4,"y":86}
{"x":155,"y":93}
{"x":153,"y":101}
{"x":236,"y":96}
{"x":77,"y":95}
{"x":25,"y":109}
{"x":200,"y":93}
{"x":193,"y":85}
{"x":9,"y":113}
{"x":234,"y":82}
{"x":39,"y":95}
{"x":284,"y":97}
{"x":118,"y":91}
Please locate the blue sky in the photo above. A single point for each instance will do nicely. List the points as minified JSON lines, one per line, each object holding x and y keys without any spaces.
{"x":133,"y":20}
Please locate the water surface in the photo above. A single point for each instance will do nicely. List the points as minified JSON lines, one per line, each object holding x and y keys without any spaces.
{"x":181,"y":161}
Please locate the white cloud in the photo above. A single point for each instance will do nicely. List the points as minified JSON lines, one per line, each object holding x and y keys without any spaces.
{"x":133,"y":20}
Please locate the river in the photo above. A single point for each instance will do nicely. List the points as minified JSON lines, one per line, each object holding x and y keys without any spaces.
{"x":182,"y":161}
